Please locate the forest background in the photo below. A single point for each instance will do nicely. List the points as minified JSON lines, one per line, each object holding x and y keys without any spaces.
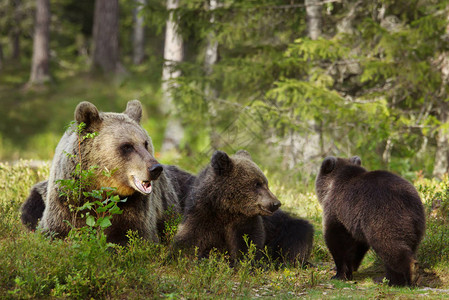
{"x":290,"y":81}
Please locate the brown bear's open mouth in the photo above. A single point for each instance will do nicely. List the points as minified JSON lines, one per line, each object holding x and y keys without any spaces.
{"x":265,"y":212}
{"x":143,"y":186}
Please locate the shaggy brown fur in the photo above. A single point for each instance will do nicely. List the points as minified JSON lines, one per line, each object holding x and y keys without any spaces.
{"x":288,"y":239}
{"x":364,"y":209}
{"x":228,"y":198}
{"x":121,"y":146}
{"x":33,"y":207}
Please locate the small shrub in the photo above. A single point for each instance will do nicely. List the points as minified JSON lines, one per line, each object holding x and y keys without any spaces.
{"x":435,"y":194}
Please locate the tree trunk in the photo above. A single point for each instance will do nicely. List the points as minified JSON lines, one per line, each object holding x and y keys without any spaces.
{"x":173,"y":54}
{"x":441,"y":165}
{"x":313,"y":12}
{"x":138,"y":34}
{"x":15,"y":44}
{"x":40,"y":68}
{"x":210,"y":59}
{"x":16,"y":32}
{"x":1,"y":56}
{"x":105,"y":36}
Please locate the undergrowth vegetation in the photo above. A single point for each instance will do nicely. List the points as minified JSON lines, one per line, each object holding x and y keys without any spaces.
{"x":85,"y":266}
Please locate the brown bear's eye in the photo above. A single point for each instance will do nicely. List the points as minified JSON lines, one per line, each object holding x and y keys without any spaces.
{"x":146,"y":144}
{"x":126,"y":148}
{"x":258,"y":184}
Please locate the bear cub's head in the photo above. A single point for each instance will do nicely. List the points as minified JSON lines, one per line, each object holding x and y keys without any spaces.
{"x":122,"y":148}
{"x":332,"y":168}
{"x":240,"y":185}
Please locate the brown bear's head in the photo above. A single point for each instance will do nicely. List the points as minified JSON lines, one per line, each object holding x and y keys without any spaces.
{"x":121,"y":148}
{"x":331,"y":168}
{"x":241,"y":186}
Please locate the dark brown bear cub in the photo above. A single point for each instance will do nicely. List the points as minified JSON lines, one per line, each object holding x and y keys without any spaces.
{"x":364,"y":209}
{"x":228,"y":199}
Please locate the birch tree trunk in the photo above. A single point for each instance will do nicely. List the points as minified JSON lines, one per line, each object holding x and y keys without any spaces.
{"x":105,"y":36}
{"x":40,"y":67}
{"x":138,"y":34}
{"x":441,"y":165}
{"x":313,"y":12}
{"x":309,"y":146}
{"x":173,"y":54}
{"x":210,"y":59}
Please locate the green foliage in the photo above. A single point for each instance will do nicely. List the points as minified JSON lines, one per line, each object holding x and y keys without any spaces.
{"x":172,"y":220}
{"x":96,"y":207}
{"x":435,"y":194}
{"x":82,"y":266}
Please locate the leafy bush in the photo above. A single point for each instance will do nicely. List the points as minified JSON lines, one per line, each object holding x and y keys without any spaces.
{"x":435,"y":194}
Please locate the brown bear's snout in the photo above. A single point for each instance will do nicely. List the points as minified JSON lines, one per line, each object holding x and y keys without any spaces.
{"x":269,"y":204}
{"x":155,"y":171}
{"x":274,"y":206}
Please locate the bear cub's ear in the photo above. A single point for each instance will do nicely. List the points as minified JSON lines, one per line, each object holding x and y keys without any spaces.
{"x":134,"y":110}
{"x":87,"y":113}
{"x":244,"y":153}
{"x":328,"y":165}
{"x":356,"y":160}
{"x":221,"y":163}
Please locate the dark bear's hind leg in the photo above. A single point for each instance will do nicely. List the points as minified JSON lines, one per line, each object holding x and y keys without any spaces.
{"x":399,"y":265}
{"x":359,"y":252}
{"x":340,"y":244}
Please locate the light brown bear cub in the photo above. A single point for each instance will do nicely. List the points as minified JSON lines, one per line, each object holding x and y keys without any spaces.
{"x":227,"y":201}
{"x":123,"y":147}
{"x":374,"y":209}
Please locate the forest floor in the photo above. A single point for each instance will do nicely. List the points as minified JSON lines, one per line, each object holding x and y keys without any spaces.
{"x":32,"y":266}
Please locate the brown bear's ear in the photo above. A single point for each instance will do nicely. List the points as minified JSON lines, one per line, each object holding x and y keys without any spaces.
{"x":328,"y":165}
{"x":356,"y":160}
{"x":134,"y":110}
{"x":244,"y":154}
{"x":86,"y":113}
{"x":221,"y":163}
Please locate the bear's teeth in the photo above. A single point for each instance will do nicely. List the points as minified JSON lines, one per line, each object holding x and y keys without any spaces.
{"x":143,"y":186}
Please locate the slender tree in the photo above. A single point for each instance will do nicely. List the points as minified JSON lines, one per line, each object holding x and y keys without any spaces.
{"x":441,"y":165}
{"x":1,"y":56}
{"x":210,"y":59}
{"x":303,"y":146}
{"x":173,"y":54}
{"x":105,"y":36}
{"x":16,"y":31}
{"x":138,"y":34}
{"x":313,"y":12}
{"x":40,"y":68}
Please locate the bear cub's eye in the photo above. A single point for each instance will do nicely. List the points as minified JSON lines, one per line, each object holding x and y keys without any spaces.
{"x":126,"y":148}
{"x":146,"y":144}
{"x":258,"y":184}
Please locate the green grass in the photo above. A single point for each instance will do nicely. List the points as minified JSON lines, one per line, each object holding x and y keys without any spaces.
{"x":31,"y":266}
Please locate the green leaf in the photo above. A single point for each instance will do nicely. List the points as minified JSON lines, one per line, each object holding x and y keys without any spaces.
{"x":104,"y":222}
{"x":90,"y":221}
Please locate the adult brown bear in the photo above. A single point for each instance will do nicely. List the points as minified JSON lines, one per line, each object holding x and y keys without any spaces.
{"x":374,"y":209}
{"x":122,"y":146}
